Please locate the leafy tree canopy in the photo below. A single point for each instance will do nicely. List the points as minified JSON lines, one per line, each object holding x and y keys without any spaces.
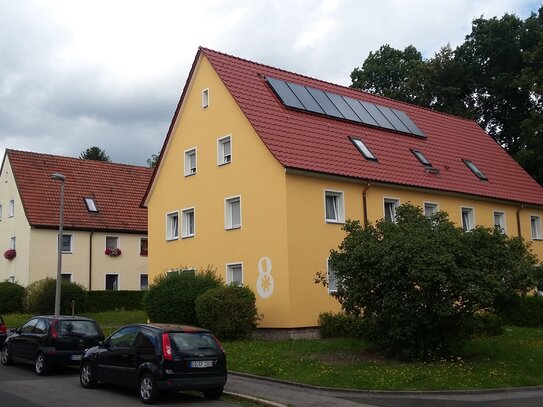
{"x":153,"y":160}
{"x":419,"y":282}
{"x":494,"y":77}
{"x":94,"y":153}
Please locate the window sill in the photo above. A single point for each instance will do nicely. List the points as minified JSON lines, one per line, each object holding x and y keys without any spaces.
{"x":190,"y":175}
{"x":233,"y":228}
{"x":172,"y":239}
{"x":336,"y":222}
{"x":187,"y":237}
{"x":223,"y":164}
{"x":537,"y":239}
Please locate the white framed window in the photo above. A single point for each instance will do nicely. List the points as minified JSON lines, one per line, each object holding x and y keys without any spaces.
{"x":190,"y":162}
{"x":112,"y":242}
{"x":224,"y":150}
{"x":67,"y":243}
{"x":112,"y":282}
{"x":187,"y":222}
{"x":172,"y":225}
{"x":232,"y":213}
{"x":390,"y":205}
{"x":468,"y":218}
{"x":205,"y":98}
{"x":13,"y":243}
{"x":144,"y":281}
{"x":11,"y":208}
{"x":91,"y":205}
{"x":499,"y":221}
{"x":334,"y":207}
{"x":430,"y":208}
{"x":11,"y":279}
{"x":234,"y":273}
{"x":535,"y":226}
{"x":332,"y":279}
{"x":66,"y":277}
{"x":363,"y":149}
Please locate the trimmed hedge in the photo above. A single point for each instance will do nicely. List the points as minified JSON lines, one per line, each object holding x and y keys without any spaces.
{"x":100,"y":301}
{"x":229,"y":311}
{"x":341,"y":326}
{"x":40,"y":297}
{"x":11,"y":298}
{"x":172,"y":296}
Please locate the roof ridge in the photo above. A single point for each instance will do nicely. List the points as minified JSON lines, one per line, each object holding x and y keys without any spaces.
{"x":204,"y":49}
{"x":57,"y":156}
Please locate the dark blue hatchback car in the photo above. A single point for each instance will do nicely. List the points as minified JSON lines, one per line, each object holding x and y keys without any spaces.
{"x":155,"y":358}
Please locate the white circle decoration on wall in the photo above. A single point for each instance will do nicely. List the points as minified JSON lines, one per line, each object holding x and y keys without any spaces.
{"x":264,"y":282}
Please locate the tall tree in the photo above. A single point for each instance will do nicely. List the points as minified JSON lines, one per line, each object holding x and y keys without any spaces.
{"x":94,"y":153}
{"x":494,"y":77}
{"x":153,"y":160}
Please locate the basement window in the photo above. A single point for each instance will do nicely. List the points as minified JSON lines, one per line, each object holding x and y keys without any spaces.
{"x":475,"y":170}
{"x":364,"y":150}
{"x":91,"y":205}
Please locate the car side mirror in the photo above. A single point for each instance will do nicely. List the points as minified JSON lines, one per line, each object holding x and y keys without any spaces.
{"x":15,"y":330}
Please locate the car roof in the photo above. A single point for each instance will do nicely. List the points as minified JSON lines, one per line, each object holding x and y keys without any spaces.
{"x":170,"y":327}
{"x":64,"y":317}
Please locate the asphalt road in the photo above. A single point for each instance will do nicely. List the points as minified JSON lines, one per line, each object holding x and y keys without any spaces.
{"x":21,"y":387}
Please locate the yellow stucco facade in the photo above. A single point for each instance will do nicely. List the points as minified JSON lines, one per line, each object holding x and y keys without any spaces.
{"x":284,"y":238}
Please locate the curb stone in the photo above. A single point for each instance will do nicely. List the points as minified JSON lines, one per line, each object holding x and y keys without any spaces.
{"x":259,"y":401}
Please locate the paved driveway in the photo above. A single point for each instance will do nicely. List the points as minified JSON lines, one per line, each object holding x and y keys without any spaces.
{"x":21,"y":387}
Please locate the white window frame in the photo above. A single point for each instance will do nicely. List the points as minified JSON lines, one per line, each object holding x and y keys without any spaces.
{"x":503,"y":220}
{"x":13,"y":243}
{"x":118,"y":240}
{"x":11,"y":208}
{"x":228,"y":213}
{"x":11,"y":279}
{"x":144,"y":274}
{"x":222,"y":158}
{"x":118,"y":281}
{"x":328,"y":273}
{"x":91,"y":205}
{"x":339,"y":207}
{"x":67,"y":274}
{"x":185,"y":227}
{"x":71,"y":243}
{"x":205,"y":98}
{"x":535,"y":227}
{"x":434,"y":205}
{"x":395,"y":204}
{"x":471,"y":218}
{"x":189,"y":169}
{"x":169,"y":229}
{"x":229,"y":272}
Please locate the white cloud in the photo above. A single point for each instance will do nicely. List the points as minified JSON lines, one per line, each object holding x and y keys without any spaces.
{"x":93,"y":72}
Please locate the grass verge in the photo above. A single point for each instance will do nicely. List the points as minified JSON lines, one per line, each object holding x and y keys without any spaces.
{"x":511,"y":360}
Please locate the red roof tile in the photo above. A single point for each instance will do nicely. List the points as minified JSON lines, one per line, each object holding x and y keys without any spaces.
{"x":306,"y":141}
{"x":117,"y":190}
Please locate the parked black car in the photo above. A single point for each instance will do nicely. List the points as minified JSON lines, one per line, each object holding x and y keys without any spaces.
{"x":155,"y":358}
{"x":47,"y":340}
{"x":3,"y":331}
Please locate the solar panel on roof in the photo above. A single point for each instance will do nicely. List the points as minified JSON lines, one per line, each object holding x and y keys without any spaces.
{"x":325,"y":103}
{"x":342,"y":107}
{"x":284,"y":93}
{"x":305,"y":97}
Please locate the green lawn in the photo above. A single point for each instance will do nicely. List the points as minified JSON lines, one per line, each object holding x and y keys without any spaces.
{"x":511,"y":360}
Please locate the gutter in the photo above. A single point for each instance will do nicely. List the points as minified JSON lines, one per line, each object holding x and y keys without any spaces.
{"x":365,"y":204}
{"x":519,"y":230}
{"x":90,"y":259}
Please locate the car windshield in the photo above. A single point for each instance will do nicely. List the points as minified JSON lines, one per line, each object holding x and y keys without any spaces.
{"x":78,"y":328}
{"x":189,"y":341}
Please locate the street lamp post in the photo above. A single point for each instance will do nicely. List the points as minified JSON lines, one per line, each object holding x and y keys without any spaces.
{"x":59,"y":177}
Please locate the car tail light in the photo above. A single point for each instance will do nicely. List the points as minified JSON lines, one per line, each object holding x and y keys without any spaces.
{"x":54,"y":330}
{"x":166,"y":347}
{"x":2,"y":329}
{"x":220,"y":344}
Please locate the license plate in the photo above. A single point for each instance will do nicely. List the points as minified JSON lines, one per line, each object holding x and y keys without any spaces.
{"x":201,"y":363}
{"x":76,"y":357}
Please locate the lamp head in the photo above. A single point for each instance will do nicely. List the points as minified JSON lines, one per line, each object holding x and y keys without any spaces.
{"x":58,"y":176}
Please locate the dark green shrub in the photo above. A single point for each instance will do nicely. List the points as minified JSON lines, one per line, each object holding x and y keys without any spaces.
{"x":40,"y":297}
{"x":523,"y":311}
{"x":171,"y":298}
{"x":11,"y":298}
{"x":487,"y":324}
{"x":229,"y":311}
{"x":341,"y":326}
{"x":100,"y":301}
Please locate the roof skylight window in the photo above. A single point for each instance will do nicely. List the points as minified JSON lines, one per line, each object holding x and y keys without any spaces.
{"x":475,"y":170}
{"x":91,"y":206}
{"x":365,"y":151}
{"x":424,"y":161}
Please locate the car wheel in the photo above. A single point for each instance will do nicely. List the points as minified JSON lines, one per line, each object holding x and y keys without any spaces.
{"x":147,"y":389}
{"x":41,"y":365}
{"x":87,"y":377}
{"x":6,"y":357}
{"x":213,"y":393}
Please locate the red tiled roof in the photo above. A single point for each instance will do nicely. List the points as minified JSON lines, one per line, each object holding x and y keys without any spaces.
{"x":117,"y":190}
{"x":306,"y":141}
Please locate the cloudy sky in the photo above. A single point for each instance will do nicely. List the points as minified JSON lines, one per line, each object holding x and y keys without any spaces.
{"x":109,"y":73}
